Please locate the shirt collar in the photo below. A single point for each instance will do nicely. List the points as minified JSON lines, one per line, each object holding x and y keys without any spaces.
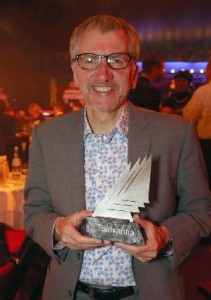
{"x":121,"y":126}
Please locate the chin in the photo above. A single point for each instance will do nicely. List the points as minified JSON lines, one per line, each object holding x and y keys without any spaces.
{"x":104,"y":105}
{"x":108,"y":108}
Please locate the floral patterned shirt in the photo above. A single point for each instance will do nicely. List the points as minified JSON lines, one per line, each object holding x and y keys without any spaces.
{"x":106,"y":157}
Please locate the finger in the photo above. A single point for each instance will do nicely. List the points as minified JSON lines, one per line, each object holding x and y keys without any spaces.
{"x":85,"y":246}
{"x":80,"y":241}
{"x":78,"y":217}
{"x":148,"y":226}
{"x":142,"y":222}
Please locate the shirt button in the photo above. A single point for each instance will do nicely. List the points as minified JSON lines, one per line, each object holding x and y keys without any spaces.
{"x":104,"y":138}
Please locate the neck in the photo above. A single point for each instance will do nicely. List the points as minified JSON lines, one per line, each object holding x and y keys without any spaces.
{"x":152,"y":76}
{"x":148,"y":76}
{"x":103,"y":122}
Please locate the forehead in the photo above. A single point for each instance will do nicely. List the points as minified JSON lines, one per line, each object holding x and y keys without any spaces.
{"x":95,"y":41}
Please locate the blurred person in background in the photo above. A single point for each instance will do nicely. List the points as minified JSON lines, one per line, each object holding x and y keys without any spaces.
{"x":23,"y":124}
{"x":180,"y":95}
{"x":3,"y":96}
{"x":8,"y":126}
{"x":60,"y":109}
{"x":10,"y":111}
{"x":198,"y":111}
{"x":76,"y":105}
{"x":35,"y":114}
{"x":146,"y":94}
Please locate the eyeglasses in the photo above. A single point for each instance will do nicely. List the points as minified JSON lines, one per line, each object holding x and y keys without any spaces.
{"x":90,"y":61}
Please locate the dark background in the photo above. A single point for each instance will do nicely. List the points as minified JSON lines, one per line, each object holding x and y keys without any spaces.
{"x":34,"y":38}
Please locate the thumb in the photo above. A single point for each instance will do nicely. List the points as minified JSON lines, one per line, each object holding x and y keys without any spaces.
{"x":138,"y":219}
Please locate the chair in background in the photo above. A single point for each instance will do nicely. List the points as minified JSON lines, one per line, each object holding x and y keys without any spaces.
{"x":23,"y":267}
{"x":204,"y":289}
{"x":6,"y":277}
{"x":10,"y":244}
{"x":15,"y":239}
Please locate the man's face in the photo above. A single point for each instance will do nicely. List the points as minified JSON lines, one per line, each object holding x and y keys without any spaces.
{"x":104,"y":88}
{"x":181,"y":85}
{"x":160,"y":71}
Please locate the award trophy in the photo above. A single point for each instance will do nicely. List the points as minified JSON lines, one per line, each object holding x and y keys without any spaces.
{"x":112,"y":219}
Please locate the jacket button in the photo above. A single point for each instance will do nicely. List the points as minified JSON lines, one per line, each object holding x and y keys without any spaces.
{"x":79,"y":255}
{"x":69,"y":293}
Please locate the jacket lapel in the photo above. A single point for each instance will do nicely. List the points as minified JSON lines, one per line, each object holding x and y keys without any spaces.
{"x":74,"y":162}
{"x":138,"y":135}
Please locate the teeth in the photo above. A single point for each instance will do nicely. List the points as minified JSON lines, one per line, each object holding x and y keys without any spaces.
{"x":102,"y":89}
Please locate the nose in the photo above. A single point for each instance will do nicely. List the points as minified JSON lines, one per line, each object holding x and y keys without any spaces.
{"x":103,"y":70}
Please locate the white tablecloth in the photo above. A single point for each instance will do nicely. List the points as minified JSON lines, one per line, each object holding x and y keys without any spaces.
{"x":11,"y":203}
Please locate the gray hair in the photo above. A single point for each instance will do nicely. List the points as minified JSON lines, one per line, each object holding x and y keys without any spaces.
{"x":106,"y":23}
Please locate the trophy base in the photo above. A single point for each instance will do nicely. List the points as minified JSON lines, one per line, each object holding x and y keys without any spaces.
{"x":116,"y":230}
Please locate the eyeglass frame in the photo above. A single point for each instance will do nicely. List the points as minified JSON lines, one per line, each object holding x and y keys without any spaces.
{"x":100,"y":57}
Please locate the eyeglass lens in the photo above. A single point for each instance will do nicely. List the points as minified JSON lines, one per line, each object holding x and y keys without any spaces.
{"x":89,"y":61}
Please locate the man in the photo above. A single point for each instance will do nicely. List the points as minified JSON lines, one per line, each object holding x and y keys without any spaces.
{"x":77,"y":158}
{"x":180,"y":95}
{"x":198,"y":111}
{"x":147,"y":94}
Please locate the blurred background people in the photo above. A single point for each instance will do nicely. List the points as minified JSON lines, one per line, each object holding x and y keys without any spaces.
{"x":60,"y":109}
{"x":7,"y":122}
{"x":72,"y":93}
{"x":75,"y":105}
{"x":147,"y":94}
{"x":180,"y":94}
{"x":35,"y":114}
{"x":10,"y":111}
{"x":7,"y":130}
{"x":23,"y":126}
{"x":3,"y":96}
{"x":198,"y":111}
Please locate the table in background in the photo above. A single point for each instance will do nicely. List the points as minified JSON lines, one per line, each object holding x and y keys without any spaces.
{"x":11,"y":202}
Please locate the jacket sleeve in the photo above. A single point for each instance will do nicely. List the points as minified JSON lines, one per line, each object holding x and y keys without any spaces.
{"x":39,"y":212}
{"x":193,"y":218}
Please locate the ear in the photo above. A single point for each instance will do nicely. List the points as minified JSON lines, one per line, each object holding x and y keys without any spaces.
{"x":135,"y":77}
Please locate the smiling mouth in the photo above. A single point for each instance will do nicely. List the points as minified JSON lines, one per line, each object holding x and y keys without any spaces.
{"x":102,"y":89}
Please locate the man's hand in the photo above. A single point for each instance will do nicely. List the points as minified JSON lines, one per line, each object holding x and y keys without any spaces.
{"x":157,"y":237}
{"x":67,"y":230}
